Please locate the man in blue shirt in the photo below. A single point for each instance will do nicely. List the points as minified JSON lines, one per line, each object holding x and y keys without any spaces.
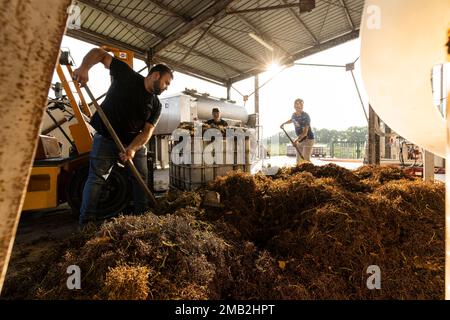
{"x":303,"y":130}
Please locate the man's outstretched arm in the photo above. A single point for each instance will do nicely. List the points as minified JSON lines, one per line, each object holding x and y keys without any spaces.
{"x":93,"y":57}
{"x":284,"y":123}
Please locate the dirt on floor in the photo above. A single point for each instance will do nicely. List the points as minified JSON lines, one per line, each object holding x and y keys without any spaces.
{"x":38,"y":234}
{"x":308,"y":232}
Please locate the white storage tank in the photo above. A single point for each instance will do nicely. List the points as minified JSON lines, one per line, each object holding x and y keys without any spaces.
{"x":228,"y":111}
{"x":188,"y":107}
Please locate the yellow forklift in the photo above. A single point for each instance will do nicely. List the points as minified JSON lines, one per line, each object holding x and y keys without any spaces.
{"x":56,"y":179}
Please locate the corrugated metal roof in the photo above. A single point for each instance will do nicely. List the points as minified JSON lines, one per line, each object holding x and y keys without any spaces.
{"x":180,"y":31}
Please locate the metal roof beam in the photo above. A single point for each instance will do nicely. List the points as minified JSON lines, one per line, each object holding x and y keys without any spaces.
{"x":209,"y":33}
{"x":166,"y":8}
{"x":304,"y":53}
{"x":326,"y":45}
{"x":192,"y":71}
{"x":212,"y":35}
{"x":265,"y":37}
{"x":282,"y":6}
{"x":216,"y":61}
{"x":121,"y":18}
{"x":202,"y":35}
{"x":347,"y":14}
{"x":297,"y":17}
{"x":216,"y":11}
{"x":100,"y":39}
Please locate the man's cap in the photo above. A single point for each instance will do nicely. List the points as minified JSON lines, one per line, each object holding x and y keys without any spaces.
{"x":215,"y":110}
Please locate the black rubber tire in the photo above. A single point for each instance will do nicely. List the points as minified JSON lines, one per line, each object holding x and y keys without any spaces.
{"x":116,"y":193}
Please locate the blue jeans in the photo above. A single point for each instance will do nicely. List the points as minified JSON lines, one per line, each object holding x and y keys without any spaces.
{"x":104,"y":155}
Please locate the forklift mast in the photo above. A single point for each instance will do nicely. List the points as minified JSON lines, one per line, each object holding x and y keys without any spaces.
{"x":80,"y":131}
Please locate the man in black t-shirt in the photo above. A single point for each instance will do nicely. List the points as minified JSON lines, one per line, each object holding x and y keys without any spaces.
{"x":133,"y":108}
{"x":216,"y":120}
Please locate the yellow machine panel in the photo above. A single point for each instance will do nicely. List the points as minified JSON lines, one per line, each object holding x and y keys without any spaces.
{"x":42,"y":190}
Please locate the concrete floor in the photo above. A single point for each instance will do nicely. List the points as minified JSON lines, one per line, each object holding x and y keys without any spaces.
{"x":285,"y":161}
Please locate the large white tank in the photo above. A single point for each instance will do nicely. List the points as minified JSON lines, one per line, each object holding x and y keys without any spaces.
{"x":188,"y":107}
{"x":401,"y":41}
{"x":228,"y":110}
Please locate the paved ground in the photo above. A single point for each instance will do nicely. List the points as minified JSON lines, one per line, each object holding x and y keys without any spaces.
{"x":285,"y":161}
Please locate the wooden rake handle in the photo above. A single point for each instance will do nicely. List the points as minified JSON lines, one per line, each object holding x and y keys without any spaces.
{"x":293,"y":143}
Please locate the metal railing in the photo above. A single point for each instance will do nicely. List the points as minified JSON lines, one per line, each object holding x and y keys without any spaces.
{"x":347,"y":150}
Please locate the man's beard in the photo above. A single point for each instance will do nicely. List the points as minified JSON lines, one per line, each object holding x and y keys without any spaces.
{"x":156,"y":87}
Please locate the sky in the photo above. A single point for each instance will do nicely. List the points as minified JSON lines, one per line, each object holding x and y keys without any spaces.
{"x":329,"y":94}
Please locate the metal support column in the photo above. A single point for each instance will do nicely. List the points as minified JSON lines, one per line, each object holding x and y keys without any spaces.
{"x":374,"y":139}
{"x":24,"y":83}
{"x":387,"y":142}
{"x":428,"y":166}
{"x":447,"y":190}
{"x":257,"y":114}
{"x":228,"y":90}
{"x":442,"y":90}
{"x":149,"y":59}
